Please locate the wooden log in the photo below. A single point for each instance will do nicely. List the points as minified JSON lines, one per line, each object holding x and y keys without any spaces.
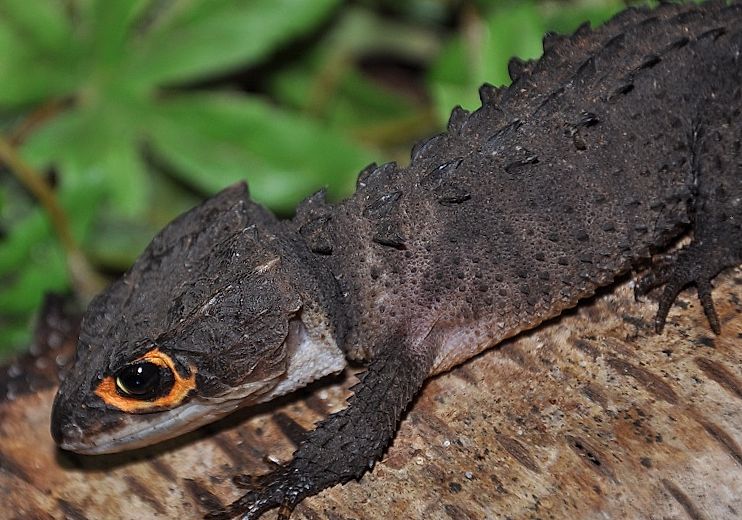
{"x":590,"y":416}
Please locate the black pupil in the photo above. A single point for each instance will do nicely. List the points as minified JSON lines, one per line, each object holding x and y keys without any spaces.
{"x":140,"y":380}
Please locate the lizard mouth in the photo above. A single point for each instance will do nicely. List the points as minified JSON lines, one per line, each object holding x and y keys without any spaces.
{"x":162,"y":426}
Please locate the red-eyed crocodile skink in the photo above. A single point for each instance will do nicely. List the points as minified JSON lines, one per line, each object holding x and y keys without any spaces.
{"x":612,"y":147}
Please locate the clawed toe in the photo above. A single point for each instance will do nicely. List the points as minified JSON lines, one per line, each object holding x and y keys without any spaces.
{"x":675,"y":273}
{"x":248,"y":507}
{"x":704,"y":294}
{"x":669,"y":295}
{"x":248,"y":482}
{"x":265,"y":492}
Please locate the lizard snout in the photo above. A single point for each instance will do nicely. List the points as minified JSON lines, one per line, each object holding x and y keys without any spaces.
{"x":66,"y":429}
{"x":65,"y":432}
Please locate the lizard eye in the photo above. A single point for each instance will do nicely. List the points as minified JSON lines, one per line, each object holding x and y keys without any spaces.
{"x":144,"y":380}
{"x":149,"y":383}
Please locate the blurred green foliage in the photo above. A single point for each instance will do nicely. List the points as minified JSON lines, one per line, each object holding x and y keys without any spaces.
{"x":130,"y":111}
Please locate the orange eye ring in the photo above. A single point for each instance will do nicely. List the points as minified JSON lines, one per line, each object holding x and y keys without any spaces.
{"x":108,"y":391}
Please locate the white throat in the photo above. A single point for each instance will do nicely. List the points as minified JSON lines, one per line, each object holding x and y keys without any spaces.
{"x":312,"y":353}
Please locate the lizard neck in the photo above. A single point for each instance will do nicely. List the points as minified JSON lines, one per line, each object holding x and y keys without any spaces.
{"x":316,"y":333}
{"x":340,"y":239}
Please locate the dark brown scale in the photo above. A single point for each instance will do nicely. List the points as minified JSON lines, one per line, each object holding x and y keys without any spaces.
{"x":517,"y":67}
{"x":489,"y":95}
{"x":382,"y":205}
{"x":364,"y":174}
{"x":456,"y":120}
{"x":317,"y":236}
{"x":494,"y":143}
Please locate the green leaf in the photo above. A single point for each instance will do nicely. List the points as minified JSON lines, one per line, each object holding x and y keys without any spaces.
{"x":355,"y":102}
{"x":452,"y":82}
{"x":215,"y":140}
{"x":45,"y":270}
{"x":95,"y":150}
{"x":33,"y":230}
{"x":110,"y":24}
{"x":213,"y":36}
{"x":565,"y":21}
{"x":509,"y":30}
{"x":327,"y":81}
{"x":514,"y":30}
{"x":127,"y":178}
{"x":37,"y":52}
{"x":40,"y":24}
{"x":30,"y":75}
{"x":16,"y":247}
{"x":115,"y":242}
{"x":33,"y":263}
{"x":14,"y":336}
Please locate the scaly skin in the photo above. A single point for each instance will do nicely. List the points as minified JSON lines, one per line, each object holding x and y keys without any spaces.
{"x":588,"y":163}
{"x":610,"y":148}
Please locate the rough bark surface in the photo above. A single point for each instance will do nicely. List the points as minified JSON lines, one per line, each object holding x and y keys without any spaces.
{"x":592,"y":415}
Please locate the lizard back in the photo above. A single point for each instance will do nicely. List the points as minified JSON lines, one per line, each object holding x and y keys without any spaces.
{"x":589,"y":162}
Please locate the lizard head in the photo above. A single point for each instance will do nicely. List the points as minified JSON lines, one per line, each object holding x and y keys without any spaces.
{"x":210,"y":318}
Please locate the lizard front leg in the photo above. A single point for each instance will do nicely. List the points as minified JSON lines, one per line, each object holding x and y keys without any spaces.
{"x":346,"y":444}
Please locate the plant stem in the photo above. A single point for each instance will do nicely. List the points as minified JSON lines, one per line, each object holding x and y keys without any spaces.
{"x":85,"y":281}
{"x":36,"y":118}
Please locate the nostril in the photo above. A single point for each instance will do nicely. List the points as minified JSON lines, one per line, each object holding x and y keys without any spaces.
{"x":64,"y":429}
{"x":72,"y":434}
{"x":66,"y":435}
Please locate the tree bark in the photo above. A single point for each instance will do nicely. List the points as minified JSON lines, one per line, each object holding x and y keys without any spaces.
{"x":591,"y":415}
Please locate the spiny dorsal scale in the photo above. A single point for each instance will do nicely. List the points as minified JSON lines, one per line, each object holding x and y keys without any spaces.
{"x":586,"y":70}
{"x":649,"y":62}
{"x":317,"y":236}
{"x":494,"y":143}
{"x":525,"y":157}
{"x":489,"y":95}
{"x":550,"y":40}
{"x":387,"y":234}
{"x":362,"y":179}
{"x":380,"y":176}
{"x":456,"y":119}
{"x":381,"y":206}
{"x":517,"y":67}
{"x":621,"y":90}
{"x":686,"y":17}
{"x":615,"y":43}
{"x":440,"y":174}
{"x":482,"y":117}
{"x":583,"y":30}
{"x":452,"y":194}
{"x":588,"y":119}
{"x":677,"y":44}
{"x":713,"y":33}
{"x":316,"y":202}
{"x":423,"y":148}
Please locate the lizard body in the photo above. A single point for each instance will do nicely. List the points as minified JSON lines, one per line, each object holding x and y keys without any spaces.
{"x":611,"y":147}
